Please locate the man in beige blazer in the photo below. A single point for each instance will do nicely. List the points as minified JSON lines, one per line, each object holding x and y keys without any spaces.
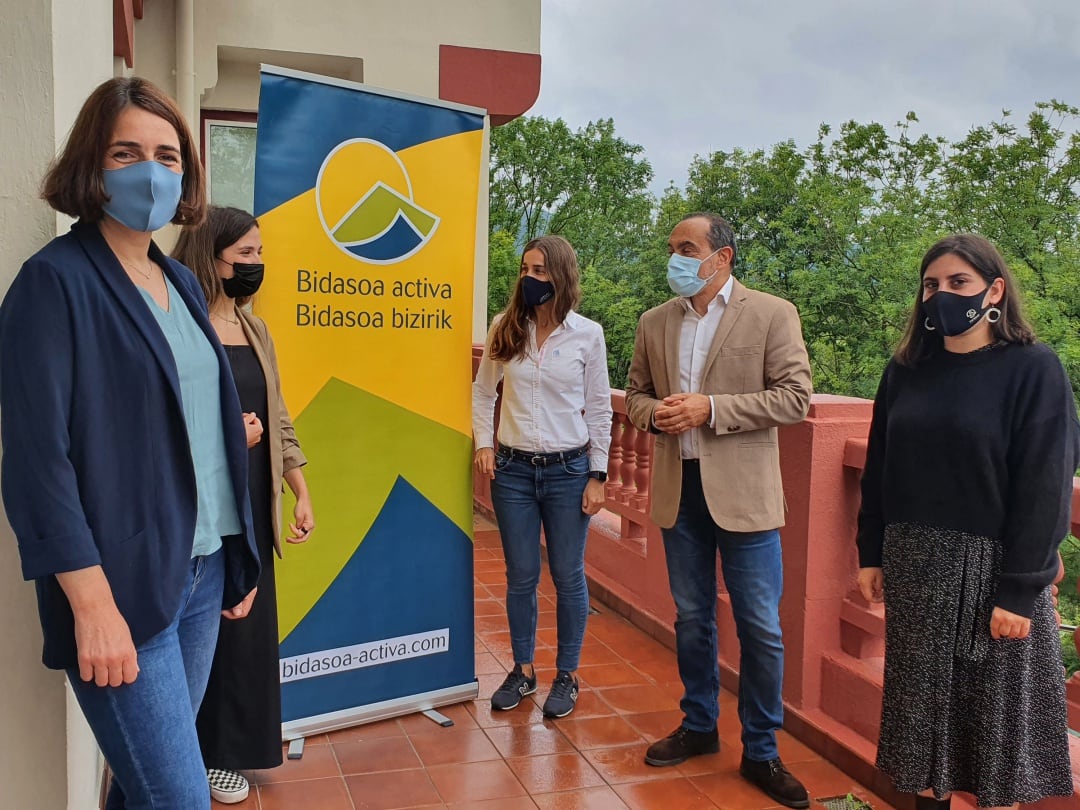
{"x":715,"y":371}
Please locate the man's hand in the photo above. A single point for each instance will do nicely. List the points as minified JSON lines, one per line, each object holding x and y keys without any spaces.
{"x":254,"y":429}
{"x":485,"y":462}
{"x":682,"y":412}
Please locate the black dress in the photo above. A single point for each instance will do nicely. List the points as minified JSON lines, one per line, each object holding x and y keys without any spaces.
{"x":239,"y":722}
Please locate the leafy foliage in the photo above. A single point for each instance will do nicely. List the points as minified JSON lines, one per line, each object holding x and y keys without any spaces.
{"x":837,"y":227}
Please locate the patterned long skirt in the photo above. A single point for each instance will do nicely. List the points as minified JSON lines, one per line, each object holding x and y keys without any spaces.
{"x":961,"y":710}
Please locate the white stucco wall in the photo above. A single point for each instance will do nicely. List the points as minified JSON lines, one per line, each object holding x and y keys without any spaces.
{"x":52,"y":55}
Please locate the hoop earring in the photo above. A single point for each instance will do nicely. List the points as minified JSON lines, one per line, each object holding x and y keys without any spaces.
{"x":993,"y":315}
{"x":929,"y":327}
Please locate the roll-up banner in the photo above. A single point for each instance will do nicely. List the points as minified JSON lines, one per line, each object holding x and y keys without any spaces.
{"x":367,"y":206}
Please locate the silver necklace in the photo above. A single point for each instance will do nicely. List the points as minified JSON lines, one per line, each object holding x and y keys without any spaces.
{"x":234,"y":321}
{"x":144,"y":273}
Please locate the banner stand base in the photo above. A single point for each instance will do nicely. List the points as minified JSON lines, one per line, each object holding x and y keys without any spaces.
{"x":296,"y":748}
{"x":438,"y":717}
{"x":346,"y":718}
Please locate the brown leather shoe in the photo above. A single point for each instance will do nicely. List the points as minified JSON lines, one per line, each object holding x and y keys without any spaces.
{"x":776,"y":781}
{"x":680,"y":745}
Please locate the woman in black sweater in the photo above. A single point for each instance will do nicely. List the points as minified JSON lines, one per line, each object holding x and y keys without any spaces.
{"x":965,"y":500}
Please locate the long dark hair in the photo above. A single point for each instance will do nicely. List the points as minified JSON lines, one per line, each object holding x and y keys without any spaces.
{"x":74,"y":184}
{"x":510,"y":337}
{"x":918,"y":343}
{"x":198,"y":247}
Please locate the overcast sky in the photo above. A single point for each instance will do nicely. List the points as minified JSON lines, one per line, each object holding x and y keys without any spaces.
{"x":686,"y":77}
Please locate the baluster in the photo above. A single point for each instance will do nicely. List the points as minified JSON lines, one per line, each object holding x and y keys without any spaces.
{"x":643,"y":444}
{"x":629,"y":461}
{"x":618,"y":423}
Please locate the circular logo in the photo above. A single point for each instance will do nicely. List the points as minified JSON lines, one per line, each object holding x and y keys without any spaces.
{"x":365,"y":202}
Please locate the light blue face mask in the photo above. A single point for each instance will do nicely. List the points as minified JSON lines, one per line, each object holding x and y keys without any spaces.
{"x":682,"y":274}
{"x":143,"y":196}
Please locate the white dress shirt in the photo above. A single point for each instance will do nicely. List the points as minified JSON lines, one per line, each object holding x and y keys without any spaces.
{"x":553,"y":399}
{"x":695,"y":339}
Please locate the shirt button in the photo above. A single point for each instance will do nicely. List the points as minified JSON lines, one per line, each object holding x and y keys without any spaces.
{"x":732,"y":428}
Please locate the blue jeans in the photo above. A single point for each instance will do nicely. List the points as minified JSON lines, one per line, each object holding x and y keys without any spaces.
{"x":526,"y":497}
{"x":146,"y":729}
{"x":753,"y":573}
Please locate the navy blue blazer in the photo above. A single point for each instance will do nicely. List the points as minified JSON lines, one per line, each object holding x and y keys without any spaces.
{"x":97,"y":466}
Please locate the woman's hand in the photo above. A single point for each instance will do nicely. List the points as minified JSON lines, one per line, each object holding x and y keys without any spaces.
{"x":485,"y":462}
{"x":592,"y":501}
{"x":1004,"y":624}
{"x":243,"y":609}
{"x":253,"y":427}
{"x":872,"y":584}
{"x":303,"y":522}
{"x":107,"y":654}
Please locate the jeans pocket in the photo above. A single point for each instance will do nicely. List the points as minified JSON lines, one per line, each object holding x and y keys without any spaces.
{"x":502,"y":461}
{"x":577,"y":466}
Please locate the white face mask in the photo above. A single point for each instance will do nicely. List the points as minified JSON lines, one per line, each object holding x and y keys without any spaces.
{"x":682,"y":274}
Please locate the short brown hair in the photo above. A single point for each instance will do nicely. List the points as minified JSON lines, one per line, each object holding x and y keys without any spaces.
{"x":74,"y":184}
{"x":918,"y":343}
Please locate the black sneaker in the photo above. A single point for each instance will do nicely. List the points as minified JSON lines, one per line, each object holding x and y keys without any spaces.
{"x":513,"y":689}
{"x":680,"y":745}
{"x":776,"y":781}
{"x":564,"y":691}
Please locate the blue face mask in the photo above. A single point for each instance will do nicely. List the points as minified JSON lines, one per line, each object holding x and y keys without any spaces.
{"x":682,"y":274}
{"x":143,"y":196}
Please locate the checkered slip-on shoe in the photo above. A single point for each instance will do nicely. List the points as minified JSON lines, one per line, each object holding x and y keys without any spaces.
{"x":227,"y":787}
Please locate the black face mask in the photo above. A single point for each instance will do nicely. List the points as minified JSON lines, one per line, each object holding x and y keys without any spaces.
{"x":246,"y":280}
{"x":953,"y":314}
{"x":536,"y":292}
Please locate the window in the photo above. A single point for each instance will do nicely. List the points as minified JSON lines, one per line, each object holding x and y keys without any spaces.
{"x":229,"y":147}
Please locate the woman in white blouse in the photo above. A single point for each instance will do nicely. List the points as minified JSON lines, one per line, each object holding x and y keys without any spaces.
{"x":550,"y":464}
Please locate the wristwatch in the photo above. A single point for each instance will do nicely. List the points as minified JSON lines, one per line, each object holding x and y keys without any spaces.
{"x":599,"y":475}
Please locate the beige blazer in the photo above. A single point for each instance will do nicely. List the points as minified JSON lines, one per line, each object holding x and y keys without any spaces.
{"x":757,"y":374}
{"x":285,"y":453}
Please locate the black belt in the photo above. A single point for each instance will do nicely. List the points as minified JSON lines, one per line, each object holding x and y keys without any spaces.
{"x":543,"y":459}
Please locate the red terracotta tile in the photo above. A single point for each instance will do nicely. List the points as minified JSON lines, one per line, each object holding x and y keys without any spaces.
{"x":449,"y":745}
{"x":548,"y":636}
{"x":729,"y":791}
{"x":597,"y":798}
{"x":252,"y":801}
{"x":489,"y":564}
{"x":526,"y":741}
{"x":389,"y":791}
{"x":490,"y":578}
{"x":824,"y":779}
{"x":324,"y":794}
{"x":488,"y":664}
{"x":546,"y":619}
{"x":419,"y":723}
{"x":367,"y":731}
{"x":527,"y":713}
{"x":519,"y":803}
{"x":637,"y":699}
{"x":553,"y":772}
{"x":489,"y":682}
{"x":726,"y":761}
{"x":655,"y":725}
{"x":599,"y":732}
{"x":314,"y":739}
{"x":486,"y":625}
{"x":662,"y":669}
{"x":613,"y":674}
{"x":544,"y":661}
{"x":596,"y":652}
{"x":624,"y":764}
{"x":318,"y":762}
{"x":792,"y":750}
{"x":664,"y":794}
{"x":489,"y":607}
{"x":475,"y":781}
{"x":371,"y":756}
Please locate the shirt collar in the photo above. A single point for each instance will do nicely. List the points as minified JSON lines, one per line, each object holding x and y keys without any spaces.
{"x":724,"y":292}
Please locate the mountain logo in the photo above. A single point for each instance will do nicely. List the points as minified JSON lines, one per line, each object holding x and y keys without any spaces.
{"x":365,"y":202}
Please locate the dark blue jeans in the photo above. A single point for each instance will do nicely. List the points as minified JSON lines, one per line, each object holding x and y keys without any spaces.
{"x":526,"y":497}
{"x":753,"y":573}
{"x":146,"y":729}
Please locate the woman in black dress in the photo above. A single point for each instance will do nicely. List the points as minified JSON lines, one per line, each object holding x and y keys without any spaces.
{"x":965,"y":500}
{"x":239,"y":723}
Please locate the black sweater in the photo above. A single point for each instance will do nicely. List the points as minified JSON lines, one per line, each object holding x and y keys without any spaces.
{"x":984,"y":443}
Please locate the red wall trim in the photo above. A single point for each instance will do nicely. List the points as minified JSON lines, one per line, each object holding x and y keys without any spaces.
{"x":124,"y":29}
{"x":505,"y":83}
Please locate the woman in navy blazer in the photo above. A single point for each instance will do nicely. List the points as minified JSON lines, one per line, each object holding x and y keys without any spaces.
{"x":124,"y":451}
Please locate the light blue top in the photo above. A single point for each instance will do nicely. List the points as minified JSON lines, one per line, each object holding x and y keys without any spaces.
{"x":197,"y":367}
